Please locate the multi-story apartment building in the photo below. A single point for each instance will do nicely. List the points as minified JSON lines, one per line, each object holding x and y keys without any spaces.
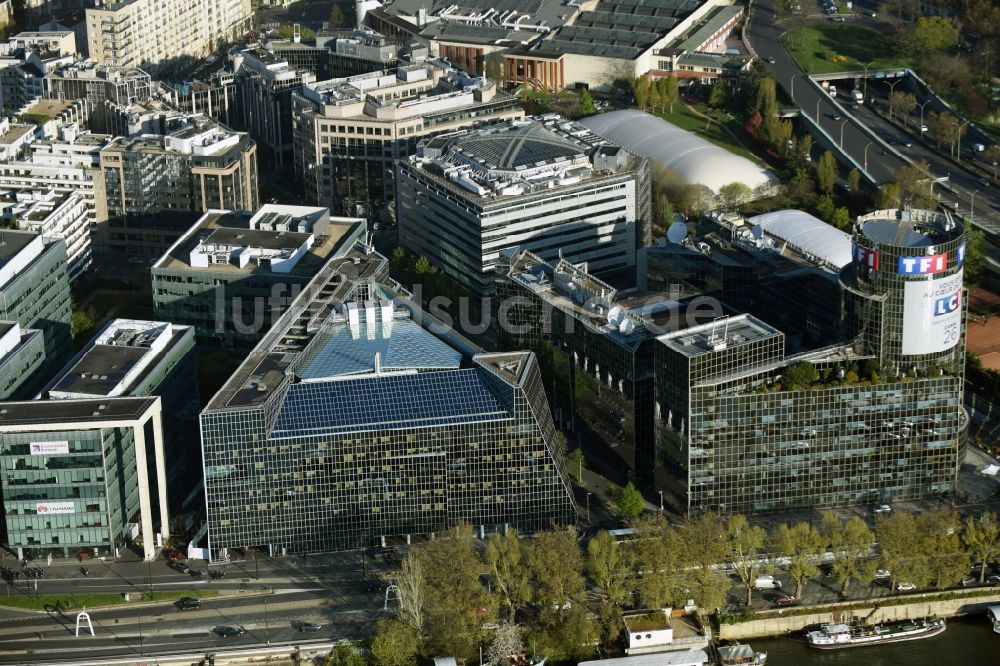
{"x":22,"y":354}
{"x":134,"y":32}
{"x":743,"y":426}
{"x":349,"y":424}
{"x":62,"y":42}
{"x":264,"y":87}
{"x":134,"y":358}
{"x":67,"y":215}
{"x":194,"y":165}
{"x":233,"y":273}
{"x":78,"y":477}
{"x":349,"y":132}
{"x":34,"y":290}
{"x":213,"y":96}
{"x":107,"y":90}
{"x":546,"y":185}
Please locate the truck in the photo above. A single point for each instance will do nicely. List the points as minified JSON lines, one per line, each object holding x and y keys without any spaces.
{"x":859,"y":97}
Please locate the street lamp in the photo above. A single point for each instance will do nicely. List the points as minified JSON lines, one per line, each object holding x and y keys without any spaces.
{"x":588,"y":508}
{"x":818,"y":99}
{"x":267,"y":633}
{"x":661,"y":500}
{"x":866,"y":76}
{"x":922,"y":116}
{"x":892,"y":86}
{"x":866,"y":154}
{"x":958,"y":156}
{"x":972,"y":205}
{"x":994,"y":171}
{"x":842,"y":131}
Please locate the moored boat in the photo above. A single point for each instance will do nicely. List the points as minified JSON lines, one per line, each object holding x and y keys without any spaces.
{"x":740,"y":655}
{"x":835,"y":636}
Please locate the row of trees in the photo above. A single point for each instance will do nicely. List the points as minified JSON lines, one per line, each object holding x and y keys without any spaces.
{"x":653,"y":94}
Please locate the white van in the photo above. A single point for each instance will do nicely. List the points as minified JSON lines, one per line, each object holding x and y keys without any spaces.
{"x":767,"y":582}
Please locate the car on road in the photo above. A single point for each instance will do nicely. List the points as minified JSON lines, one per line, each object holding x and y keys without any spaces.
{"x":905,"y":587}
{"x":882,"y":508}
{"x":837,"y":19}
{"x":309,"y":627}
{"x":985,"y":182}
{"x":767,"y":582}
{"x":182,"y":568}
{"x":770,"y":59}
{"x":786,"y":600}
{"x":188,"y":603}
{"x":993,"y":579}
{"x":226,"y":632}
{"x":907,"y":143}
{"x":872,"y":14}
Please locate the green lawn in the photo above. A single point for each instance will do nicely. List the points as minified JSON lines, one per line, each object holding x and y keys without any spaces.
{"x":686,"y":119}
{"x":66,"y":601}
{"x":840,"y":47}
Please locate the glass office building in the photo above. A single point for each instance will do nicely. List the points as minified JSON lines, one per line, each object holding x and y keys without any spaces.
{"x":743,"y":426}
{"x":351,"y":423}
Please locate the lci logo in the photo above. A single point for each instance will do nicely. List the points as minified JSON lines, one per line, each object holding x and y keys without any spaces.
{"x":932,"y":263}
{"x":943,"y":306}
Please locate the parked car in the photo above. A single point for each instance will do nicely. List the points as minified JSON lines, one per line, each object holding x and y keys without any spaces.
{"x":786,"y":600}
{"x":882,"y":574}
{"x":882,"y":508}
{"x":993,"y":579}
{"x":309,"y":627}
{"x":197,"y":573}
{"x":188,"y":603}
{"x":767,"y":582}
{"x":837,"y":19}
{"x":970,"y":581}
{"x":181,"y":567}
{"x":226,"y":632}
{"x":905,"y":587}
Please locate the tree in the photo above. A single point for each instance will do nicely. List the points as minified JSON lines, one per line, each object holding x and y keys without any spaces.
{"x":456,"y":602}
{"x":900,"y":552}
{"x":629,"y":501}
{"x":493,"y":67}
{"x":916,"y":185}
{"x":766,"y":102}
{"x":841,"y":218}
{"x":801,"y":544}
{"x":982,"y":540}
{"x":887,"y":196}
{"x":663,"y":212}
{"x":854,"y":180}
{"x":505,"y":644}
{"x":609,"y":565}
{"x":574,"y":464}
{"x":565,"y":635}
{"x":745,"y":541}
{"x":422,"y":266}
{"x":642,"y":92}
{"x":697,"y":199}
{"x":851,"y":545}
{"x":719,"y":95}
{"x":505,"y":560}
{"x":801,"y":374}
{"x":671,"y":91}
{"x":826,"y":172}
{"x":80,"y":323}
{"x":336,"y":18}
{"x":556,"y":565}
{"x":947,"y":563}
{"x":658,"y":556}
{"x":587,"y":103}
{"x":734,"y":194}
{"x":344,"y":655}
{"x":704,"y":546}
{"x":974,"y":261}
{"x":395,"y":643}
{"x":933,"y":34}
{"x":901,"y":104}
{"x":410,"y":584}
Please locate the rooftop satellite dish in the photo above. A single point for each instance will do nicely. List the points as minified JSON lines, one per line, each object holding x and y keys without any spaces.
{"x":757,"y":231}
{"x":616,"y":315}
{"x":677,"y":232}
{"x":626,"y":327}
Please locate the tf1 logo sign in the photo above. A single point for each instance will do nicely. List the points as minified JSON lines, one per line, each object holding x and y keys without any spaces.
{"x":926,"y":265}
{"x":943,"y":306}
{"x":865,"y":257}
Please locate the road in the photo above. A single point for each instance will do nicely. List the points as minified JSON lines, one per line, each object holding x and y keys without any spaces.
{"x":856,"y":131}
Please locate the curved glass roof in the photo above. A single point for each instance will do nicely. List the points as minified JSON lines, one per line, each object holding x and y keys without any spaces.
{"x":695,"y":159}
{"x":520,"y":146}
{"x":807,"y":235}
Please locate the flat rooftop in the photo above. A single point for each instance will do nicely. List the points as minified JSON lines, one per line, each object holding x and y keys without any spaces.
{"x":15,"y":133}
{"x":49,"y":107}
{"x":12,"y":242}
{"x":233,"y":226}
{"x":723,"y":333}
{"x":45,"y":412}
{"x":909,"y":228}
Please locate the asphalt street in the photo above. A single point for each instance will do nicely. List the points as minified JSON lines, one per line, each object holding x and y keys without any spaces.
{"x":853,"y":132}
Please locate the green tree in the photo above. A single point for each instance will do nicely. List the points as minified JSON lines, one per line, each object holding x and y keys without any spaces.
{"x":395,"y":643}
{"x":947,"y":563}
{"x":564,"y":636}
{"x":344,"y":655}
{"x":575,"y":464}
{"x":887,"y":196}
{"x":587,"y":103}
{"x":766,"y":101}
{"x":825,"y":208}
{"x":982,"y":540}
{"x":629,"y":501}
{"x":901,"y":104}
{"x":719,"y":96}
{"x":493,"y":67}
{"x":854,"y":180}
{"x":642,"y":92}
{"x":900,"y":551}
{"x":841,"y":218}
{"x":734,"y":194}
{"x":556,"y":565}
{"x":916,"y":185}
{"x":506,"y":563}
{"x":801,"y":374}
{"x":81,"y":324}
{"x":658,"y":556}
{"x":801,"y":544}
{"x":336,"y":18}
{"x":974,"y":261}
{"x":745,"y":542}
{"x":663,"y":212}
{"x":933,"y":34}
{"x":609,"y":565}
{"x":422,"y":266}
{"x":826,"y":172}
{"x":851,"y":545}
{"x":705,"y":545}
{"x":456,"y":601}
{"x":671,"y":91}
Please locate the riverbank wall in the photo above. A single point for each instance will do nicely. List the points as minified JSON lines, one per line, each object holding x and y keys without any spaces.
{"x":779,"y":623}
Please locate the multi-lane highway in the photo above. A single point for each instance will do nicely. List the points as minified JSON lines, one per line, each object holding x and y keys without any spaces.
{"x":861,"y":132}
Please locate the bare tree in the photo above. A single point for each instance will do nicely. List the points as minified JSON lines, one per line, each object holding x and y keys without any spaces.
{"x":506,"y":643}
{"x":411,"y":592}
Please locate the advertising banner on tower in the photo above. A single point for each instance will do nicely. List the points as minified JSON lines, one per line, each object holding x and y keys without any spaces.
{"x":46,"y":508}
{"x":48,"y":448}
{"x":932,"y":315}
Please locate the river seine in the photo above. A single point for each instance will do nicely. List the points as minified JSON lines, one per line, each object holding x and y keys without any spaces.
{"x":968,"y":641}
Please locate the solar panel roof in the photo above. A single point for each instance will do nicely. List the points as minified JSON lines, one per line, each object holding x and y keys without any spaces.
{"x":659,"y":24}
{"x":891,"y":232}
{"x":401,"y":344}
{"x":387,"y":401}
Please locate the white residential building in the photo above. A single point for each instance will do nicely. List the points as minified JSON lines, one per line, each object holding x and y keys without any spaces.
{"x":64,"y":214}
